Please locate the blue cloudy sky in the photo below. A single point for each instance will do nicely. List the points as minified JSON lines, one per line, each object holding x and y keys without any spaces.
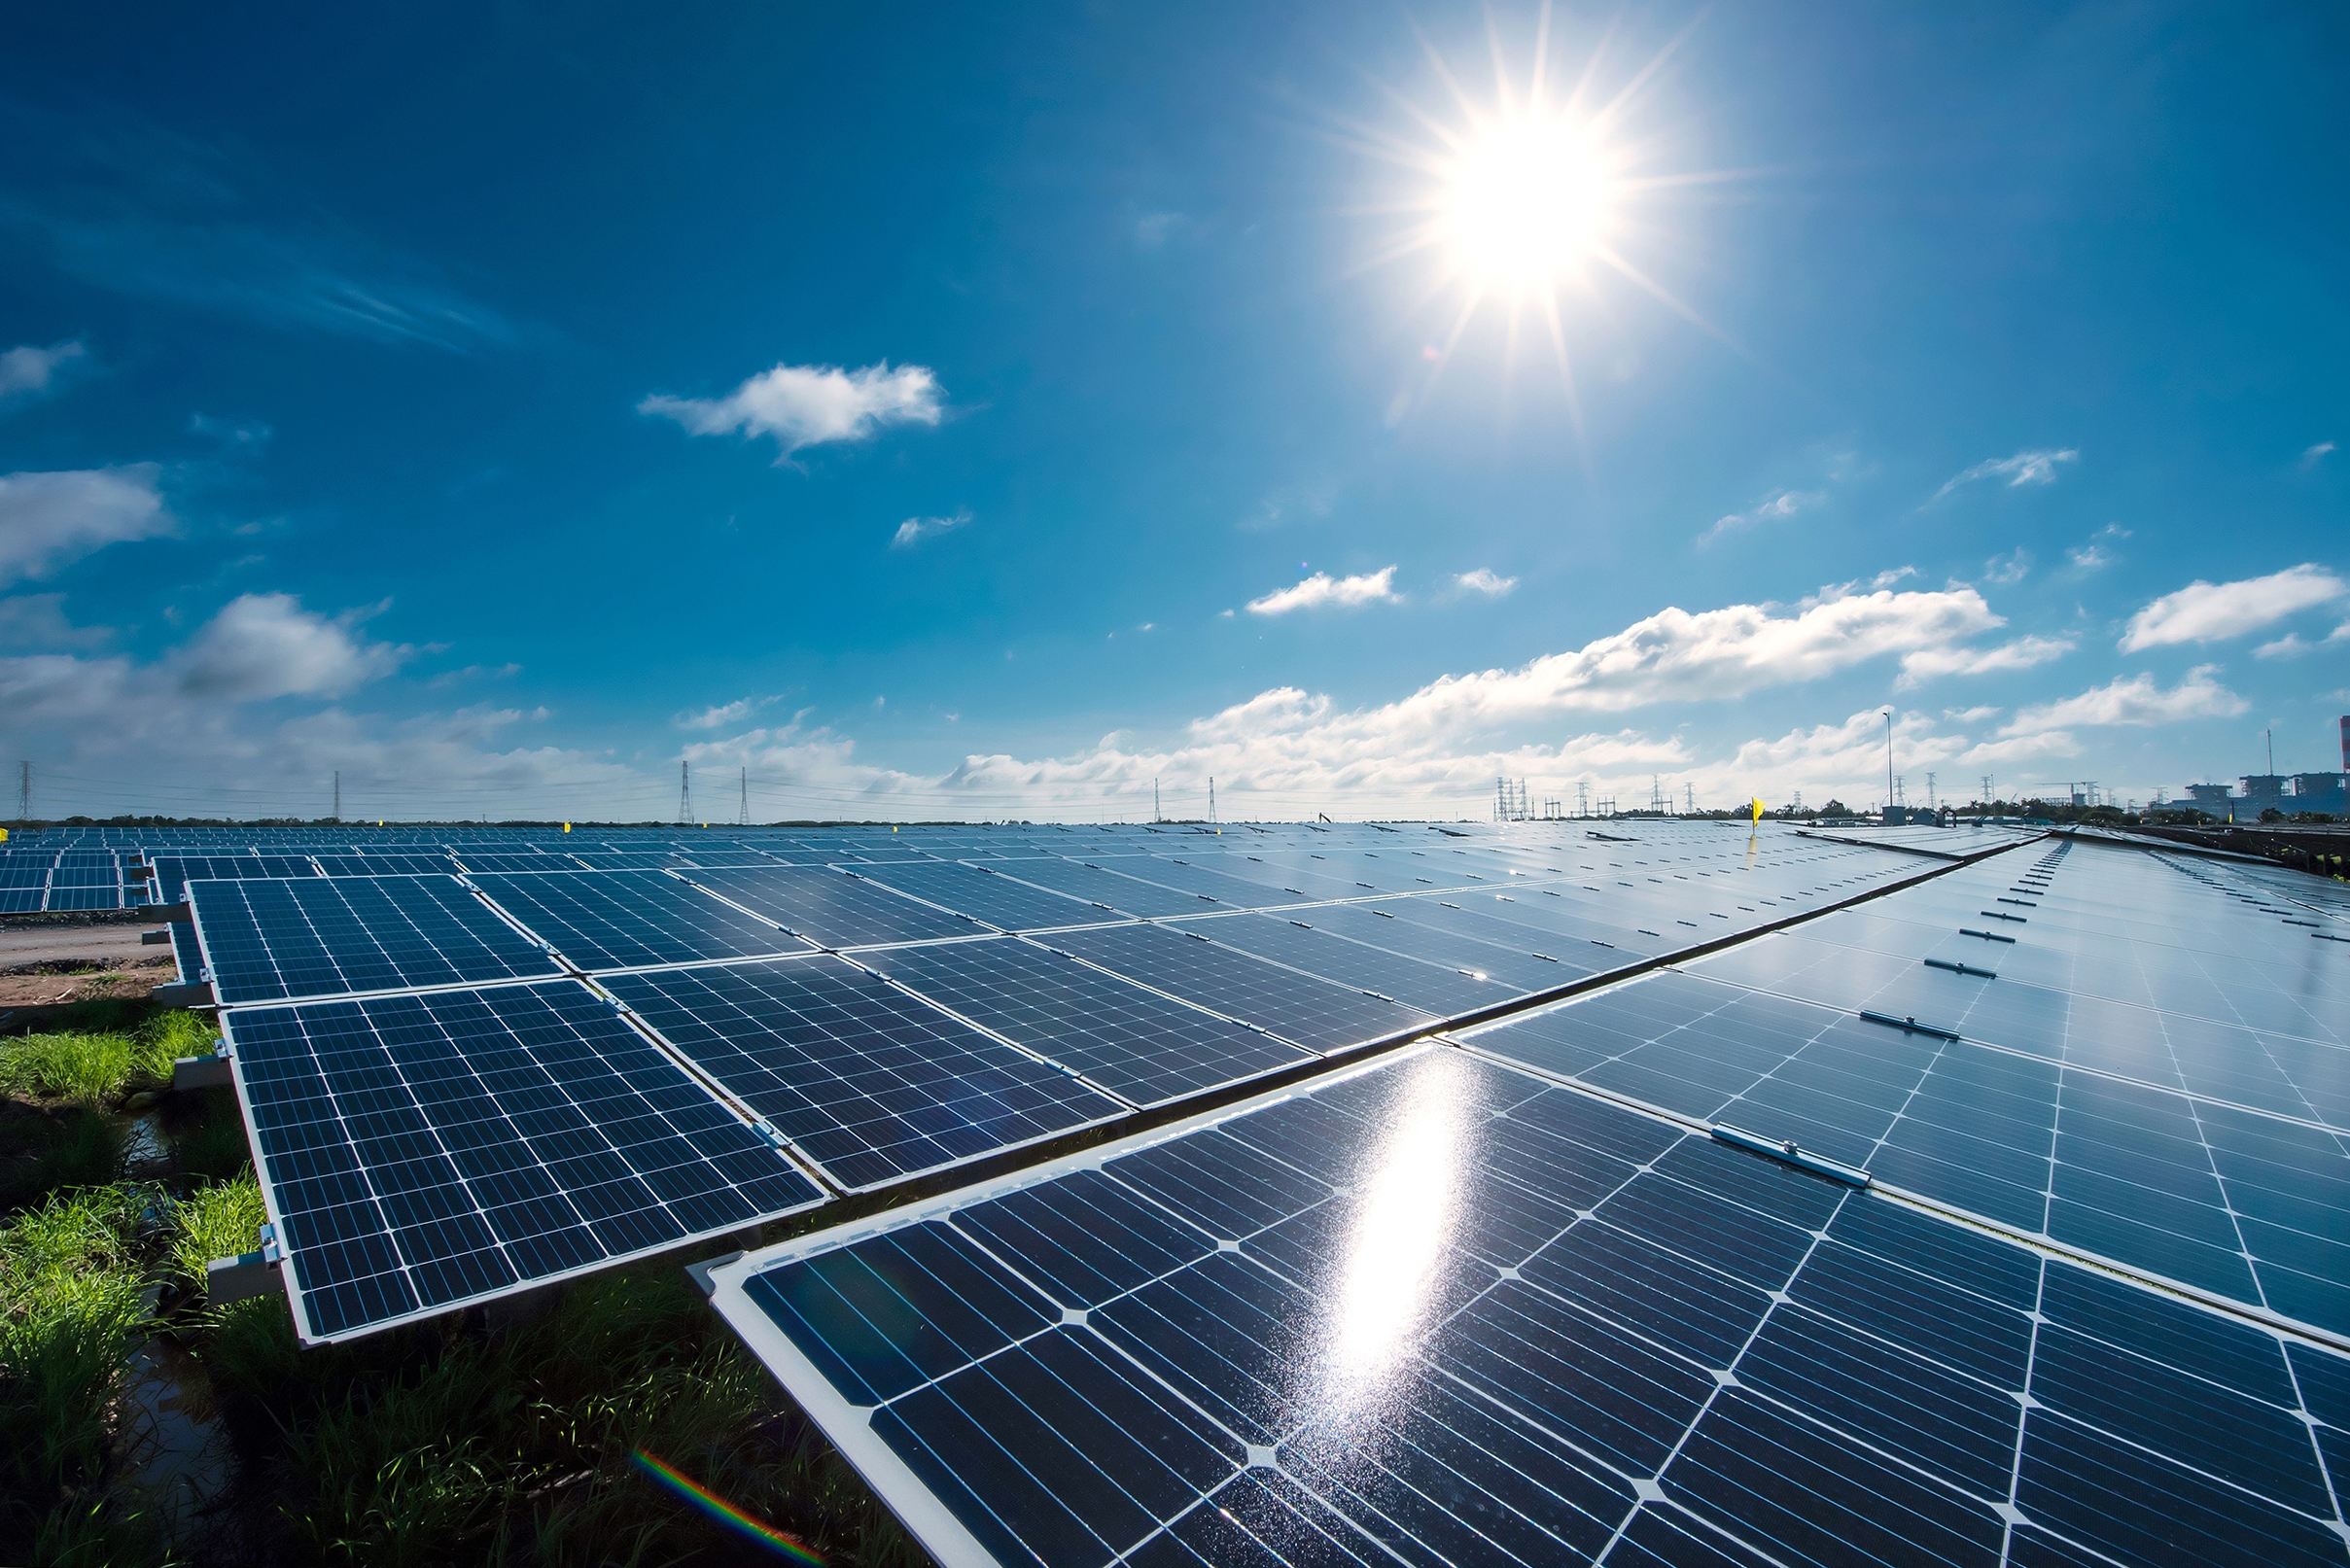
{"x":986,"y":412}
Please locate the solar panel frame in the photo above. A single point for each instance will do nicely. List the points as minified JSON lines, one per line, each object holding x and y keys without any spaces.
{"x":173,"y":872}
{"x":572,"y":1122}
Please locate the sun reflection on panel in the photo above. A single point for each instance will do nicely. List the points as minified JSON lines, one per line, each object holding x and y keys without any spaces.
{"x":1388,"y":1289}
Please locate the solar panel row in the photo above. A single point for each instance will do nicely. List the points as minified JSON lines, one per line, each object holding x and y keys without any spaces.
{"x":1441,"y":1312}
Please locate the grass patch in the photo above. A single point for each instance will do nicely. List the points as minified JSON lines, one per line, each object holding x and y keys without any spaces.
{"x":93,"y":1070}
{"x":72,"y":1308}
{"x":219,"y":1221}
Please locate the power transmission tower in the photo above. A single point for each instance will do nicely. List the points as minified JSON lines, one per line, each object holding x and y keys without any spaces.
{"x":1929,"y":791}
{"x":339,"y":795}
{"x":743,"y":815}
{"x":1583,"y":798}
{"x":685,"y":794}
{"x":1211,"y":797}
{"x":1156,"y":814}
{"x":1986,"y":790}
{"x":24,"y":793}
{"x":1656,"y":794}
{"x":1689,"y":800}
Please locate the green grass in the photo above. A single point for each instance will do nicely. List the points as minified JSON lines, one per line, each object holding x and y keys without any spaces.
{"x":73,"y":1310}
{"x":94,"y":1070}
{"x":218,"y":1221}
{"x":444,"y":1442}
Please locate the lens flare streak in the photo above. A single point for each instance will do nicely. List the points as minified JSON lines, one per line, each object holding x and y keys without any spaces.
{"x":726,"y":1512}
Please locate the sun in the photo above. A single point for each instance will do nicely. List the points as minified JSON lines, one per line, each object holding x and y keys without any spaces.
{"x":1524,"y":201}
{"x":1527,"y":196}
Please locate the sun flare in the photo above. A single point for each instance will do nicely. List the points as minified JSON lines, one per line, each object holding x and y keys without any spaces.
{"x":1524,"y":199}
{"x":1531,"y":194}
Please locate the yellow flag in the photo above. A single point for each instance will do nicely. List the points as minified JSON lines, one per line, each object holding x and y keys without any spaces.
{"x":1758,"y":808}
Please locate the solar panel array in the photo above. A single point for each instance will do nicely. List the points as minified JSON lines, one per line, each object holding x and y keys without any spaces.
{"x":2050,"y":1269}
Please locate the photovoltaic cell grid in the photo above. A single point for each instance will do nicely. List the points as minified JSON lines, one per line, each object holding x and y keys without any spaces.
{"x":831,"y":909}
{"x":173,"y":872}
{"x":1143,"y":1047}
{"x":1300,"y":1008}
{"x":986,"y":895}
{"x":1438,"y":1313}
{"x":2097,"y":1127}
{"x":266,"y":941}
{"x":626,"y":920}
{"x":871,"y":1084}
{"x":422,"y":1152}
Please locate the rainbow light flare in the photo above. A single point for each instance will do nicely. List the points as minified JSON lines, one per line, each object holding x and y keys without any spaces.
{"x":726,"y":1512}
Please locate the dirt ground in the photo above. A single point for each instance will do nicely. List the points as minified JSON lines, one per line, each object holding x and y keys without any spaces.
{"x":48,"y":965}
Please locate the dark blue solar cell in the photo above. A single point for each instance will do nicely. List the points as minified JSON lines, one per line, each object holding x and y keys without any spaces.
{"x":831,"y":909}
{"x":625,"y":919}
{"x":174,"y":872}
{"x":995,"y":898}
{"x":1309,"y":1012}
{"x":424,"y":1150}
{"x":326,"y":936}
{"x":1144,"y":1047}
{"x":870,"y":1083}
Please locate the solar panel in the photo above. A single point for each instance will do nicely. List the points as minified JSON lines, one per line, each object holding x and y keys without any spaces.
{"x":829,"y":908}
{"x":870,"y":1084}
{"x":173,"y":872}
{"x":1140,"y":1046}
{"x":2247,"y":1203}
{"x":1398,"y":926}
{"x":987,"y":895}
{"x":1297,"y":1336}
{"x":187,"y":951}
{"x":265,"y":941}
{"x":1313,"y":1013}
{"x":385,"y":866}
{"x":491,"y":861}
{"x":1105,"y":888}
{"x":423,"y":1152}
{"x":628,"y":919}
{"x":1301,"y":945}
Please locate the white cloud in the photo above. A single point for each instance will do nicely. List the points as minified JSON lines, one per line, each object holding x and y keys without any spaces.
{"x":1972,"y":715}
{"x":1321,"y":588}
{"x":2292,"y":646}
{"x":732,"y":712}
{"x":914,"y":530}
{"x":2313,"y":456}
{"x":2022,"y":749}
{"x":1786,"y":503}
{"x":26,"y":369}
{"x":48,"y":520}
{"x":1484,"y":580}
{"x":2093,"y":555}
{"x":2024,"y":468}
{"x":2137,"y":701}
{"x":38,"y":620}
{"x":2006,"y":570}
{"x":2024,"y":653}
{"x":803,"y":406}
{"x":2206,"y":612}
{"x":265,"y":645}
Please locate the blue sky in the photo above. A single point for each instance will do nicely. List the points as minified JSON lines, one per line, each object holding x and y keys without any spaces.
{"x":986,"y":412}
